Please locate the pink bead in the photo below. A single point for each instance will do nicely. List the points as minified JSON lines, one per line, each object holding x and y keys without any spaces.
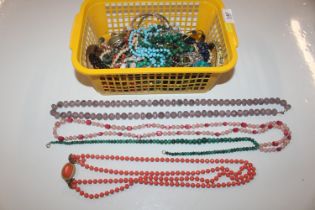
{"x":188,"y":126}
{"x":159,"y":133}
{"x":61,"y":138}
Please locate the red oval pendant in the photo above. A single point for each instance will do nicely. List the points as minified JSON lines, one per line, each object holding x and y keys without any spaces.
{"x":68,"y":171}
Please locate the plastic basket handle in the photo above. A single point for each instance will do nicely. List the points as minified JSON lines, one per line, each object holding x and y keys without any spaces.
{"x":230,"y":27}
{"x":74,"y":32}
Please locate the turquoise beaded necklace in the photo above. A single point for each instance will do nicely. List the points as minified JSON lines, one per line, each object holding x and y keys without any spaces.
{"x":175,"y":141}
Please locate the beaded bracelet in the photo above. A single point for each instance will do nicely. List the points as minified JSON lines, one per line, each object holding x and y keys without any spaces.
{"x":178,"y":130}
{"x":217,"y":176}
{"x":138,"y":20}
{"x":175,"y":102}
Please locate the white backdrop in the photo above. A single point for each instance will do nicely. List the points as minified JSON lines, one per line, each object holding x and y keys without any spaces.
{"x":276,"y":59}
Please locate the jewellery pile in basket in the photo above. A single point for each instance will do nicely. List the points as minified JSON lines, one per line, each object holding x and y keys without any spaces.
{"x":154,"y":45}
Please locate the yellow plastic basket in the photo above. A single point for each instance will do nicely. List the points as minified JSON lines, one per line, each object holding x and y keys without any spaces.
{"x":101,"y":17}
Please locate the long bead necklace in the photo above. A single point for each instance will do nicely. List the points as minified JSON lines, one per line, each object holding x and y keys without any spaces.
{"x":222,"y":176}
{"x":174,"y":114}
{"x":176,"y":141}
{"x":178,"y":130}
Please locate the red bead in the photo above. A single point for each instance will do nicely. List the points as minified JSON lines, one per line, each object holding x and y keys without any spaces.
{"x":217,"y":134}
{"x":262,"y":126}
{"x":107,"y":126}
{"x":244,"y":125}
{"x":254,"y":132}
{"x":178,"y":132}
{"x":129,"y":128}
{"x":279,"y":123}
{"x":100,"y":133}
{"x":286,"y":132}
{"x":88,"y":122}
{"x":80,"y":136}
{"x":235,"y":130}
{"x":198,"y":132}
{"x":224,"y":123}
{"x":68,"y":171}
{"x":61,"y":138}
{"x":279,"y":149}
{"x":207,"y":125}
{"x":119,"y":134}
{"x":69,"y":120}
{"x":274,"y":143}
{"x":270,"y":126}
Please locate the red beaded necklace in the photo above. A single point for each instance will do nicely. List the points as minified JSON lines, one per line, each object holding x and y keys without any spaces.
{"x":223,"y":176}
{"x":179,"y":130}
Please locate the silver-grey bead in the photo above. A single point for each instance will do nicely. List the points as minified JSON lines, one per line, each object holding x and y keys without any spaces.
{"x":136,"y":116}
{"x":117,"y":116}
{"x":124,"y":116}
{"x":124,"y":103}
{"x":99,"y":116}
{"x":173,"y":115}
{"x":142,"y":116}
{"x":185,"y":114}
{"x":111,"y":116}
{"x":93,"y":116}
{"x":87,"y":115}
{"x":161,"y":115}
{"x":198,"y":114}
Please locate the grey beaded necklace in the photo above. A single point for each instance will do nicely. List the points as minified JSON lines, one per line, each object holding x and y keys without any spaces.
{"x":284,"y":106}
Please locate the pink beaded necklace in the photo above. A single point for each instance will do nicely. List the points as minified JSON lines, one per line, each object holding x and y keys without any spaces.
{"x":180,"y":178}
{"x":179,"y":130}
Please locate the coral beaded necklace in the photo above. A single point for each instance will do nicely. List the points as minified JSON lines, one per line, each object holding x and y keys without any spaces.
{"x":221,"y":175}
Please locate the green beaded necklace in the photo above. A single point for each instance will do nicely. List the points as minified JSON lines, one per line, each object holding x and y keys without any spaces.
{"x":175,"y":141}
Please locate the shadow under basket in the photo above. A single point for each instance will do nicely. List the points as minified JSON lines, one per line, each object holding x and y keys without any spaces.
{"x":99,"y":18}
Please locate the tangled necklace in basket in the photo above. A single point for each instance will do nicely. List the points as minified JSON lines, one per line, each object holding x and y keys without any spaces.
{"x":251,"y":103}
{"x":154,"y":45}
{"x":216,"y":173}
{"x":178,"y":130}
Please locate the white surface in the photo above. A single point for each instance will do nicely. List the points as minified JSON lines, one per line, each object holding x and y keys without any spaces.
{"x":276,"y":59}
